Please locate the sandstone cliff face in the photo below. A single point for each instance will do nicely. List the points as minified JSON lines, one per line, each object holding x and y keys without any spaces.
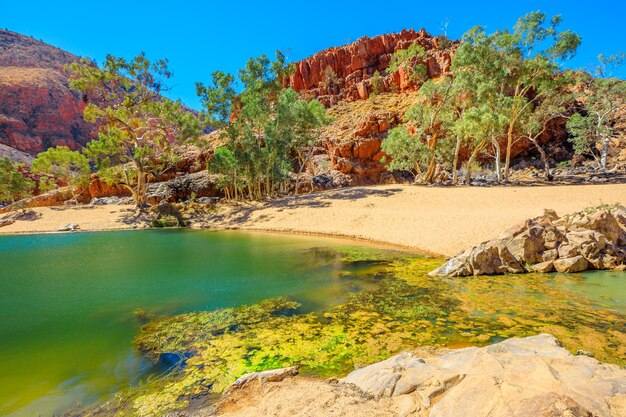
{"x":345,"y":72}
{"x":37,"y":108}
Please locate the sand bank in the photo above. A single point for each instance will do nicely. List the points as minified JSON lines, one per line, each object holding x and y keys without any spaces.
{"x":432,"y":219}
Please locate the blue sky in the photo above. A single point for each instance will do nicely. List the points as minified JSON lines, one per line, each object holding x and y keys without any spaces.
{"x":199,"y":37}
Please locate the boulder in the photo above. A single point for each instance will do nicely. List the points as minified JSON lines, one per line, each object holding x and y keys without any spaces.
{"x":572,"y":243}
{"x":272,"y":375}
{"x":529,"y":377}
{"x":527,"y":246}
{"x":6,"y":222}
{"x":550,"y":255}
{"x":567,"y":265}
{"x":543,"y":267}
{"x":486,"y":259}
{"x":458,"y":266}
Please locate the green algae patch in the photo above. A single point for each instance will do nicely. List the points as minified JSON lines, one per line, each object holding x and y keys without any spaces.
{"x":179,"y":333}
{"x":350,"y":254}
{"x":406,"y":309}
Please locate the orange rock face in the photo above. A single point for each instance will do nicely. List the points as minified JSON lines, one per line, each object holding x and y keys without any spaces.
{"x":37,"y":108}
{"x":345,"y":72}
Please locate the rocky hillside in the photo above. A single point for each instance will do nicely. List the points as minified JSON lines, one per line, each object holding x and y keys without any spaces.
{"x":37,"y":108}
{"x":341,"y":78}
{"x":345,"y":72}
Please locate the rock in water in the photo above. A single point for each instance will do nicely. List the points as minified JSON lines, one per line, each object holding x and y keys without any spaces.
{"x":575,"y":264}
{"x":572,"y":243}
{"x":533,"y":376}
{"x":529,"y":377}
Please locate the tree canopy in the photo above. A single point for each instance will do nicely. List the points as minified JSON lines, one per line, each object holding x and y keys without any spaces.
{"x":270,"y":129}
{"x":63,"y":164}
{"x":137,"y":127}
{"x":13,"y":184}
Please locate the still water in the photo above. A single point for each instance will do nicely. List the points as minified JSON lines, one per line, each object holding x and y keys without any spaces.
{"x":67,"y":301}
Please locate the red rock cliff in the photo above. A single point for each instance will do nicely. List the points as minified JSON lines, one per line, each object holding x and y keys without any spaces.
{"x":345,"y":72}
{"x":37,"y":108}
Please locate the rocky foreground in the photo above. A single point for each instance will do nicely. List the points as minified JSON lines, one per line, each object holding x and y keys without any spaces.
{"x":529,"y":377}
{"x":589,"y":239}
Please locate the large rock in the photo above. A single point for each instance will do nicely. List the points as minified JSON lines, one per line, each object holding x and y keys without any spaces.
{"x":533,"y":376}
{"x":529,"y":377}
{"x":573,"y":243}
{"x":198,"y":184}
{"x":486,"y":259}
{"x":575,"y":264}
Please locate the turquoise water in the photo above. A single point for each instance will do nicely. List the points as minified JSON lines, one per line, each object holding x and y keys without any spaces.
{"x":67,"y":300}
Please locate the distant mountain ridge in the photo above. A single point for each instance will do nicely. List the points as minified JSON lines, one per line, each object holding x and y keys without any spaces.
{"x":37,"y":108}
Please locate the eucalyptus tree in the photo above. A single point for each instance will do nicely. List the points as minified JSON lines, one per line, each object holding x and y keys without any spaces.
{"x":267,"y":129}
{"x":137,"y":127}
{"x":416,"y":145}
{"x":532,"y":52}
{"x":70,"y":167}
{"x":13,"y":184}
{"x":555,"y":104}
{"x":603,"y":97}
{"x":478,"y":69}
{"x":516,"y":64}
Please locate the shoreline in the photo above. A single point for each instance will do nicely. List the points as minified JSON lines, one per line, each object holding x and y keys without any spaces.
{"x":432,"y":221}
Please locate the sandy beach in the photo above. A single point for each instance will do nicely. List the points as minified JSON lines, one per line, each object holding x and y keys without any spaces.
{"x":430,"y":219}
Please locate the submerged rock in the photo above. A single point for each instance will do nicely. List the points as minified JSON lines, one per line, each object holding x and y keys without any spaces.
{"x":577,"y":242}
{"x":526,"y":377}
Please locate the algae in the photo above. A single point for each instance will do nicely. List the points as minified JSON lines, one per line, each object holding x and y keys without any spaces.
{"x":407,"y":309}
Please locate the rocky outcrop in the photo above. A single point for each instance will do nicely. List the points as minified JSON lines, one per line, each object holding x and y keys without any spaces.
{"x":37,"y":108}
{"x":198,"y":184}
{"x":592,"y":239}
{"x":345,"y":72}
{"x":528,"y":377}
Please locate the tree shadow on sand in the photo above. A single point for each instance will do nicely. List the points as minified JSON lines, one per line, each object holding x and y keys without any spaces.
{"x":242,"y":214}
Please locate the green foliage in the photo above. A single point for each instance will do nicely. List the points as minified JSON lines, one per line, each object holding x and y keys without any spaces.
{"x":407,"y":152}
{"x":137,"y":127}
{"x":591,"y":129}
{"x":515,"y":71}
{"x":216,"y":99}
{"x":271,"y":130}
{"x":608,"y":207}
{"x":13,"y":184}
{"x":583,"y":134}
{"x":410,"y":59}
{"x":378,"y":84}
{"x":418,"y":144}
{"x":63,"y":164}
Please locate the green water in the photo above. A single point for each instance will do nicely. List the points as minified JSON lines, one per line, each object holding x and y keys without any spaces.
{"x":67,"y":301}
